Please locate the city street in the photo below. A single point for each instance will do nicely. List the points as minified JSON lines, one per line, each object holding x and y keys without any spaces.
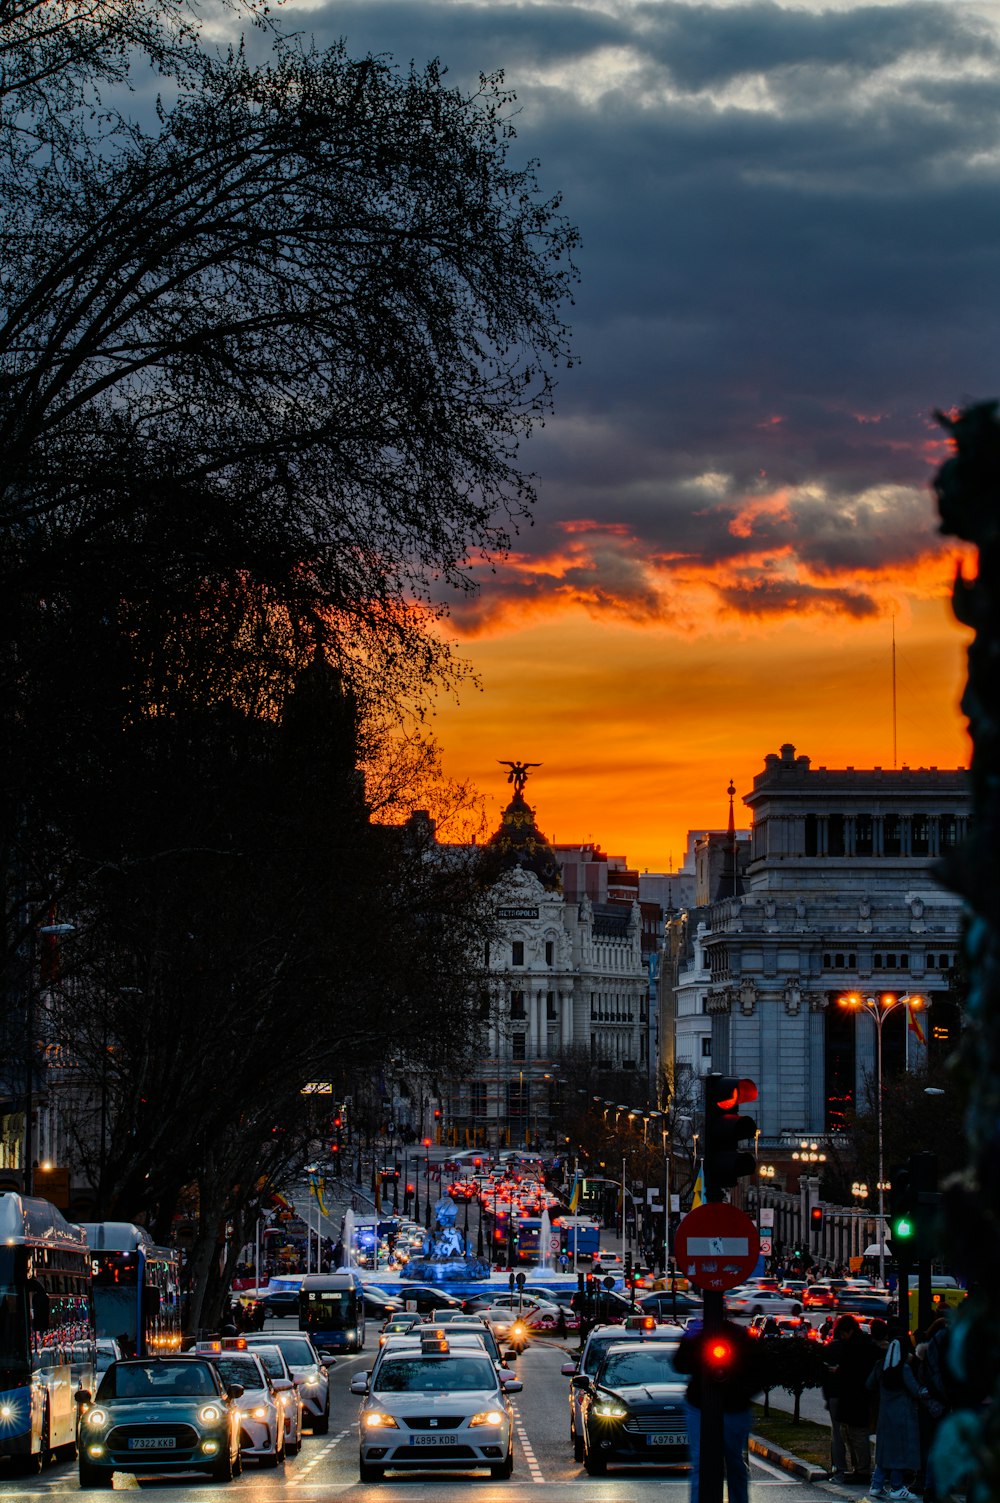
{"x":327,"y":1466}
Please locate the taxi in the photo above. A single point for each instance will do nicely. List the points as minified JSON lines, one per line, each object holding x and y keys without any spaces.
{"x":309,"y":1370}
{"x":262,"y":1412}
{"x":637,"y":1329}
{"x":272,"y":1359}
{"x":435,"y":1407}
{"x":160,"y":1414}
{"x":634,"y":1410}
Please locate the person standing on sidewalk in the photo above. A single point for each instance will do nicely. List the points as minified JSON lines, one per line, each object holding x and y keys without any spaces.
{"x":897,"y":1437}
{"x":849,"y":1360}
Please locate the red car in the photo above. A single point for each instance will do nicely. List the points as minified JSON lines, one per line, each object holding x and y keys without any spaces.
{"x":819,"y":1297}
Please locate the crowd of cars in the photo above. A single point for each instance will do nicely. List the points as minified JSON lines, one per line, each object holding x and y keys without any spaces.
{"x":227,"y":1400}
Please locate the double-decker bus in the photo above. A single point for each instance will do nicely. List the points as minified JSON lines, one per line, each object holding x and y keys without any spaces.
{"x":46,"y":1329}
{"x":136,"y":1288}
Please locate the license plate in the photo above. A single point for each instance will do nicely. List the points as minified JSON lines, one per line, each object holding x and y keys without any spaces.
{"x":673,"y":1439}
{"x":430,"y":1440}
{"x":152,"y":1443}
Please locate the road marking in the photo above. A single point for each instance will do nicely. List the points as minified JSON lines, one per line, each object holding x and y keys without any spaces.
{"x":302,"y":1473}
{"x":526,"y":1449}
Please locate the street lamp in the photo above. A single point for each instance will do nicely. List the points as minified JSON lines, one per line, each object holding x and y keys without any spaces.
{"x":878,"y":1009}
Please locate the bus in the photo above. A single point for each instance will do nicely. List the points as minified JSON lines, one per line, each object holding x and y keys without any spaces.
{"x":136,"y":1289}
{"x":47,"y":1348}
{"x":332,"y":1310}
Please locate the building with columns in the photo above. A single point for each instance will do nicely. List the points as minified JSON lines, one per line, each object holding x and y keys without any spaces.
{"x":838,"y":897}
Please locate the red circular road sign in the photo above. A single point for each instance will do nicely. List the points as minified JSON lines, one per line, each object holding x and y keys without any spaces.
{"x":717,"y":1246}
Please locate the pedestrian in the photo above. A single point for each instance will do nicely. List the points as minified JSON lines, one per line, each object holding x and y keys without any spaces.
{"x":738,"y":1389}
{"x":897,"y":1434}
{"x":848,"y":1361}
{"x":931,"y":1372}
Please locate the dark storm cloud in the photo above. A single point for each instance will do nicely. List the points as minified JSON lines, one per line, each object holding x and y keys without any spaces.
{"x":791,"y":228}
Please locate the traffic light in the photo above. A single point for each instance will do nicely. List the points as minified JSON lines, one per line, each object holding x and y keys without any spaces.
{"x":925,"y":1204}
{"x":718,"y":1356}
{"x":725,"y":1129}
{"x":902,"y":1222}
{"x":816,"y":1218}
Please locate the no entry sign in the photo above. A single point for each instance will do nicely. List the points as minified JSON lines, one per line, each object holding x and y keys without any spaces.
{"x":717,"y":1246}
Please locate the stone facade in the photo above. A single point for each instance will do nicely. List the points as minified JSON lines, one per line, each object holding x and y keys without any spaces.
{"x":839,"y":897}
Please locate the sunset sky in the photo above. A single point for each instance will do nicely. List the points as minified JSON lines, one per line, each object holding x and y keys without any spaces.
{"x":790,"y":241}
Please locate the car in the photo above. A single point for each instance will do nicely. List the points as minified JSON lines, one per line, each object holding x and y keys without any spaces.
{"x":159,"y":1414}
{"x":310,"y":1371}
{"x":749,"y":1301}
{"x":281,"y":1296}
{"x":871,"y":1303}
{"x":427,"y":1297}
{"x":262,"y":1409}
{"x":599,"y":1341}
{"x":478,"y":1329}
{"x":435,"y":1408}
{"x":667,"y":1306}
{"x":107,"y":1351}
{"x":633,"y":1408}
{"x":379,"y":1304}
{"x":446,"y":1313}
{"x":508,"y":1326}
{"x":782,"y":1325}
{"x":274,"y":1364}
{"x":609,"y":1262}
{"x":819,"y":1297}
{"x":399,"y":1325}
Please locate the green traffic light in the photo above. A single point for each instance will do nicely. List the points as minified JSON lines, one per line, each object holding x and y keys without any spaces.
{"x":903,"y":1228}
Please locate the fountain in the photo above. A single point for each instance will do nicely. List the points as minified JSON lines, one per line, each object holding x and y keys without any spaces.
{"x":446,"y":1258}
{"x":347,"y":1238}
{"x":544,"y":1236}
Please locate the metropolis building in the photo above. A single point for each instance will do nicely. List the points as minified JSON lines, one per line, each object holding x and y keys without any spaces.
{"x":836,"y":894}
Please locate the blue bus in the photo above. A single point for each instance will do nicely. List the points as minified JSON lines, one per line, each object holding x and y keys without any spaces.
{"x":137,"y":1299}
{"x":47,"y":1346}
{"x":332,"y":1310}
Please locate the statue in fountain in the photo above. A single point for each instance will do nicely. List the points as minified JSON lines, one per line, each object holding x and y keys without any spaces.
{"x":445,"y":1256}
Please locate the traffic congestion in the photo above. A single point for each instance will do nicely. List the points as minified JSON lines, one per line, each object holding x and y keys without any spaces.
{"x":359,"y":1377}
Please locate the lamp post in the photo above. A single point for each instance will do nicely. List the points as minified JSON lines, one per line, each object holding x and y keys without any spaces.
{"x":878,"y":1009}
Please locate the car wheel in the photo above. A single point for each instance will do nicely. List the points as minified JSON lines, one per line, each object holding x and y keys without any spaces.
{"x":595,"y":1466}
{"x":321,"y":1425}
{"x":268,"y":1312}
{"x":756,"y":1310}
{"x":577,"y":1448}
{"x":505,"y":1468}
{"x":223,"y":1470}
{"x":272,"y":1460}
{"x":368,"y":1473}
{"x":93,"y":1476}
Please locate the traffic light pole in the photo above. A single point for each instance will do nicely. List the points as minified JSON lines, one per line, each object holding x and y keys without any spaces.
{"x":710,"y":1464}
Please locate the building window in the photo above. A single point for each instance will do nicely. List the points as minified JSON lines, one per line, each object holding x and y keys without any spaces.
{"x":892,"y":844}
{"x":477,"y":1098}
{"x":704,"y":1004}
{"x":839,"y":962}
{"x":810,"y":835}
{"x":550,"y":951}
{"x":517,"y":1005}
{"x":949,"y":832}
{"x":835,"y":835}
{"x":517,"y":952}
{"x":550,"y":1007}
{"x":920,"y":835}
{"x":706,"y":1047}
{"x":517,"y":1049}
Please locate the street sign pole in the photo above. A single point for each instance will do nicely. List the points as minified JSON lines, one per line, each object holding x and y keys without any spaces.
{"x":710,"y":1466}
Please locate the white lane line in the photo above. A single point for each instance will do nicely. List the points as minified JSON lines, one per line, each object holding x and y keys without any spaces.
{"x":526,"y":1449}
{"x":302,"y":1473}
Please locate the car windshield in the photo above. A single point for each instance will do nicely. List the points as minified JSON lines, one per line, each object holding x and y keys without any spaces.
{"x":594,"y":1355}
{"x":297,"y":1351}
{"x":243,"y":1370}
{"x":435,"y":1375}
{"x":153,"y":1380}
{"x":629,"y":1369}
{"x":272,"y":1361}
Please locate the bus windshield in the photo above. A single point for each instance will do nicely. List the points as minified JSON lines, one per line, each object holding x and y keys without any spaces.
{"x":331,"y":1309}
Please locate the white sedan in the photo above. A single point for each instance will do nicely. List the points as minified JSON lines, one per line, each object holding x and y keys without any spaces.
{"x":749,"y":1301}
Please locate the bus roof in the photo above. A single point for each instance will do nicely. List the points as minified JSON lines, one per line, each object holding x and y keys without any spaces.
{"x":121,"y":1236}
{"x":26,"y":1218}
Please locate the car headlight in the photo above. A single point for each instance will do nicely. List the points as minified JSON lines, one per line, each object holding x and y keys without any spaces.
{"x":487,"y":1417}
{"x":519,"y":1328}
{"x":259,"y":1412}
{"x":210,"y":1415}
{"x":96,"y":1418}
{"x":375,"y":1419}
{"x":610,"y":1409}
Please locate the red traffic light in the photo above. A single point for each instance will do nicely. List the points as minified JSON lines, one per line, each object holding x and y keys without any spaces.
{"x":718,"y":1354}
{"x":437,"y":1112}
{"x":816,"y":1216}
{"x":427,"y":1142}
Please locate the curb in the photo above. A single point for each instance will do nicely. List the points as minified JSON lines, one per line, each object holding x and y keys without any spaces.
{"x":806,"y":1471}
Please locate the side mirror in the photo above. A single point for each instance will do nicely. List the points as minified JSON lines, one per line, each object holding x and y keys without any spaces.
{"x":511,"y":1355}
{"x":328,"y":1359}
{"x":282,"y":1385}
{"x":359,"y":1383}
{"x":234,"y":1390}
{"x":568,"y":1369}
{"x":511,"y":1385}
{"x":82,"y":1396}
{"x":581,"y":1381}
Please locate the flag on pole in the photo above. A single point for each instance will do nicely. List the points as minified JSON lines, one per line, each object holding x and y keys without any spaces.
{"x":914,"y":1024}
{"x":574,"y":1200}
{"x":698,"y":1195}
